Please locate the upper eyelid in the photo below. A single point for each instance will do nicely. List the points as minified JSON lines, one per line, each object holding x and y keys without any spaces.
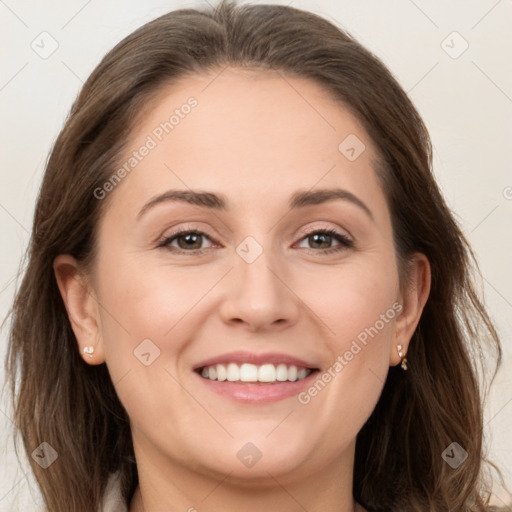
{"x":340,"y":231}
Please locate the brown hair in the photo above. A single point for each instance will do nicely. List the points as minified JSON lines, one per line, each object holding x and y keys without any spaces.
{"x":74,"y":407}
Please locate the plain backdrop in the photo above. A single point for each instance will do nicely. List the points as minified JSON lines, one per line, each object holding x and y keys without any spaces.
{"x":453,"y":58}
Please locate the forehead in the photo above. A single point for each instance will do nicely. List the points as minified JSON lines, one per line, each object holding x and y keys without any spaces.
{"x":250,"y":133}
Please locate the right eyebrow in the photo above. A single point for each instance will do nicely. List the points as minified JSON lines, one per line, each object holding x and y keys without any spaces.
{"x":205,"y":199}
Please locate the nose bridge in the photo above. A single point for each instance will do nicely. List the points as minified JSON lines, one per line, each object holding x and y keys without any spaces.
{"x":259,"y":295}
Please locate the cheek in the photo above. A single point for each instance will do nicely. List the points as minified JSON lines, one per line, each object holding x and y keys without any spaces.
{"x":148,"y":316}
{"x":345,"y":393}
{"x":149,"y":302}
{"x":358,"y":308}
{"x":352,"y":298}
{"x":138,"y":313}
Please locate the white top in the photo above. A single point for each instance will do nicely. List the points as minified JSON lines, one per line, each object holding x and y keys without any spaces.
{"x":112,"y":499}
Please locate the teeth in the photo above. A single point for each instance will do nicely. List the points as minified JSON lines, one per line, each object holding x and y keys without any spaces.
{"x":222,"y":374}
{"x":233,"y":372}
{"x":247,"y":372}
{"x":302,"y":374}
{"x":267,"y":373}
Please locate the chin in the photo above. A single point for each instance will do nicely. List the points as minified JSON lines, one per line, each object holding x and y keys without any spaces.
{"x":254,"y":463}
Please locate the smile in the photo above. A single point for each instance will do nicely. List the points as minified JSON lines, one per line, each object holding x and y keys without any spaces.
{"x":247,"y":372}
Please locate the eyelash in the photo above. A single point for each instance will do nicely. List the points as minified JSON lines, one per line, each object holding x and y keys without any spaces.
{"x":345,"y":242}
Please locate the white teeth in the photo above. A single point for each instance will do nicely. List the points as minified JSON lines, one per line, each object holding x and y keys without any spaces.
{"x":233,"y":372}
{"x":301,"y":374}
{"x":267,"y":373}
{"x":248,"y":372}
{"x":222,"y":374}
{"x":281,"y":372}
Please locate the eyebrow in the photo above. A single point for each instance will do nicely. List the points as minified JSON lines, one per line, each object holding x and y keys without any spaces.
{"x":210,"y":200}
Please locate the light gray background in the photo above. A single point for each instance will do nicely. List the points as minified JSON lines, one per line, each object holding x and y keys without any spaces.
{"x":466,"y":103}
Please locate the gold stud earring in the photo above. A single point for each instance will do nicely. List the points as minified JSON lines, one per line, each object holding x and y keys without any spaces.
{"x":403,"y":359}
{"x":89,"y":350}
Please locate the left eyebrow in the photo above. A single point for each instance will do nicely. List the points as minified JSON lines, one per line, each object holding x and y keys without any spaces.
{"x":307,"y":198}
{"x":211,"y":200}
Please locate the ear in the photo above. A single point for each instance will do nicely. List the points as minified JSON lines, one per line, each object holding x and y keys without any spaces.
{"x":413,"y":299}
{"x":81,"y":306}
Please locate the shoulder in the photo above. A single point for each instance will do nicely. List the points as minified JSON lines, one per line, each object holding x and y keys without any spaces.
{"x":112,"y":499}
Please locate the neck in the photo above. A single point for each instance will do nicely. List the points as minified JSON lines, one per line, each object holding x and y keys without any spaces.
{"x":171,"y":486}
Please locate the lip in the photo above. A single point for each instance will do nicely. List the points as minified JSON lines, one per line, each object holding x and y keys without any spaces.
{"x":241,"y":356}
{"x":260,"y":392}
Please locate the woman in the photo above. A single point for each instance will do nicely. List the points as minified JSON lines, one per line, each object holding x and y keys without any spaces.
{"x":246,"y":367}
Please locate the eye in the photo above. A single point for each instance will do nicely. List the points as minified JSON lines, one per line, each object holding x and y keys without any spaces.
{"x":188,"y":240}
{"x":322,"y":237}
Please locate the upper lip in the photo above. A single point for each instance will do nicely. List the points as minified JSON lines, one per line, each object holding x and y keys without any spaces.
{"x":241,"y":356}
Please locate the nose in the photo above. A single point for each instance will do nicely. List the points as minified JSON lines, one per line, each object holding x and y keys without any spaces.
{"x":259,"y":295}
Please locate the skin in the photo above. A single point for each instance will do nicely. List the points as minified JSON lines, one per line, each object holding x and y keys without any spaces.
{"x":256,"y":137}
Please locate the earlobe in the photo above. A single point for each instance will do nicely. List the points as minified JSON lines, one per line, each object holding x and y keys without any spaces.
{"x":81,"y":307}
{"x":414,"y":298}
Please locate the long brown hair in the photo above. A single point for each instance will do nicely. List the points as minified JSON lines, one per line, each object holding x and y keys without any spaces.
{"x":73,"y":406}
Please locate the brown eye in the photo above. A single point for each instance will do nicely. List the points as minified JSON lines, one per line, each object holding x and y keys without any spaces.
{"x":322,"y":239}
{"x":187,"y":241}
{"x":190,"y":241}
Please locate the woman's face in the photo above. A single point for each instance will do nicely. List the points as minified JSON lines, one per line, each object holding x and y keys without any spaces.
{"x":260,"y":283}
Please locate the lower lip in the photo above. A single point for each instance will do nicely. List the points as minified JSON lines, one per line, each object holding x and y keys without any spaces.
{"x":252,"y":392}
